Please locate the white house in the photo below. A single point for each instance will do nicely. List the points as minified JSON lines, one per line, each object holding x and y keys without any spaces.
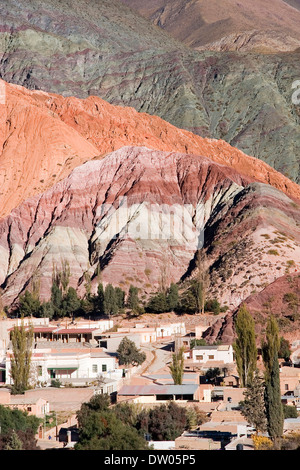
{"x":170,"y":329}
{"x":204,"y":354}
{"x":68,"y":365}
{"x":143,"y":335}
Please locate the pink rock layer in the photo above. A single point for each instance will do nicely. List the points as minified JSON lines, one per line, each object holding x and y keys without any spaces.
{"x":44,"y":136}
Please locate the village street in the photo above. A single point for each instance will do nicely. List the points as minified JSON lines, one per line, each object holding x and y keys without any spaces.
{"x":161,"y":356}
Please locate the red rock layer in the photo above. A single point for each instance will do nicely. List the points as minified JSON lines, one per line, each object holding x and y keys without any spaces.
{"x":43,"y":137}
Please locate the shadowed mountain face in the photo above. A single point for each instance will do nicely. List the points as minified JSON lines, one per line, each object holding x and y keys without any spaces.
{"x":259,"y":25}
{"x":139,"y":214}
{"x":102,"y":48}
{"x":293,"y":3}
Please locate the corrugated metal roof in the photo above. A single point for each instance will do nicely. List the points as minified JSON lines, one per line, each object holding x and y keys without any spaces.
{"x":134,"y":390}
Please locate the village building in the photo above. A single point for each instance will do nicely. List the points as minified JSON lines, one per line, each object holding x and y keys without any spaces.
{"x":68,"y":365}
{"x":213,"y":354}
{"x":111,"y":341}
{"x":154,"y":392}
{"x":289,"y":379}
{"x":37,"y":406}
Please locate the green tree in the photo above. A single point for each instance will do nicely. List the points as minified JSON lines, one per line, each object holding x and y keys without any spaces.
{"x":187,"y":302}
{"x":274,"y":408}
{"x":100,"y":428}
{"x":64,"y":276}
{"x":13,"y":442}
{"x":120,"y":298}
{"x":212,"y":305}
{"x":129,"y":354}
{"x":29,"y":305}
{"x":172,"y":297}
{"x":197,"y":342}
{"x":290,"y":411}
{"x":46,"y":310}
{"x":99,"y":300}
{"x":56,"y":296}
{"x":284,"y":349}
{"x":271,"y":344}
{"x":253,"y":407}
{"x":245,"y":346}
{"x":197,"y":290}
{"x":177,"y":366}
{"x":158,"y":303}
{"x":133,"y":301}
{"x":22,"y":340}
{"x":166,"y":422}
{"x":18,"y":420}
{"x":71,"y":303}
{"x":110,"y":301}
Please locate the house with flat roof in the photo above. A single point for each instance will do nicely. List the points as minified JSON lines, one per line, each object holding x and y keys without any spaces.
{"x":71,"y":365}
{"x":154,"y":392}
{"x":37,"y":406}
{"x":222,"y":354}
{"x":289,"y":379}
{"x":111,"y":341}
{"x":72,"y":332}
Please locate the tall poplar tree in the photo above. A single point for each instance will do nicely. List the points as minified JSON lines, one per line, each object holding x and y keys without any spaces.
{"x":271,"y":345}
{"x":245,"y":346}
{"x":177,"y":367}
{"x":22,"y":340}
{"x":274,"y":409}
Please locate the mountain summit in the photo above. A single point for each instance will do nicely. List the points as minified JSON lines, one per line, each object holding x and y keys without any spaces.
{"x":236,"y":25}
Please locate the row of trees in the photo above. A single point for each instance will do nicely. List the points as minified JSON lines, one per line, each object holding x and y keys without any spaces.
{"x":110,"y":301}
{"x":262,"y":405}
{"x":64,"y":300}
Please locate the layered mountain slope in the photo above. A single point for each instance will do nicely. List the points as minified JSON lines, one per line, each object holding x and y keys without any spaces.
{"x":280,"y":298}
{"x":43,"y":137}
{"x":256,"y":239}
{"x":105,"y":49}
{"x":140,"y":215}
{"x":259,"y":25}
{"x":116,"y":213}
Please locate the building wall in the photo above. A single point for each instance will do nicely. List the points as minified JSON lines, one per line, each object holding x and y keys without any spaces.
{"x":4,"y":397}
{"x":289,"y":379}
{"x":236,"y":394}
{"x":73,"y":366}
{"x":205,"y":355}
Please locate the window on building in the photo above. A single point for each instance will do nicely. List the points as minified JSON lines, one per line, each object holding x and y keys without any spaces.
{"x":286,"y":386}
{"x":40,"y":371}
{"x":95,"y":368}
{"x":199,"y":358}
{"x":211,"y":356}
{"x":104,"y":367}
